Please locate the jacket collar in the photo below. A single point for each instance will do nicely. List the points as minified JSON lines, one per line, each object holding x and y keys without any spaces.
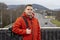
{"x":26,"y":16}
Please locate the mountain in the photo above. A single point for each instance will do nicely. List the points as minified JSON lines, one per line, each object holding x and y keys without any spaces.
{"x":12,"y":6}
{"x":56,"y":9}
{"x":39,"y":7}
{"x":36,"y":6}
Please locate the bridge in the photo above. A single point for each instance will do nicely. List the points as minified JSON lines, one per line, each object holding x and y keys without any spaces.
{"x":47,"y":33}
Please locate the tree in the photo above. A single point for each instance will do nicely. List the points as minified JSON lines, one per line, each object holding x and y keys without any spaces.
{"x":58,"y":15}
{"x":3,"y":7}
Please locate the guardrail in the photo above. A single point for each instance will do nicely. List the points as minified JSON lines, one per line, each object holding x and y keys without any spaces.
{"x":48,"y":33}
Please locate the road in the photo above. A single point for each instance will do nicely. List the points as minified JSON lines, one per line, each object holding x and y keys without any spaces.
{"x":43,"y":20}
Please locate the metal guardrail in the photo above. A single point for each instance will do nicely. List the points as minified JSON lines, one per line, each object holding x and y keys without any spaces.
{"x":41,"y":28}
{"x":48,"y":33}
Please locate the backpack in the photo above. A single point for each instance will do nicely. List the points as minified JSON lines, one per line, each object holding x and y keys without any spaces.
{"x":14,"y":36}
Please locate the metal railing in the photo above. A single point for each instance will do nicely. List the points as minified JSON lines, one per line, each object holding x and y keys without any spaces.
{"x":48,"y":33}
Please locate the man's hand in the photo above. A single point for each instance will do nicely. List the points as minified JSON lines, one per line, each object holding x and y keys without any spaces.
{"x":28,"y":31}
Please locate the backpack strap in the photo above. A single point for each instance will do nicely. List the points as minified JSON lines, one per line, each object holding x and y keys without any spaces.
{"x":25,"y":21}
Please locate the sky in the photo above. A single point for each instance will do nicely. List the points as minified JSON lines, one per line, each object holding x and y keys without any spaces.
{"x":51,"y":4}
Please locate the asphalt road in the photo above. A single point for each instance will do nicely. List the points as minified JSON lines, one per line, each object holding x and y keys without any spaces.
{"x":43,"y":20}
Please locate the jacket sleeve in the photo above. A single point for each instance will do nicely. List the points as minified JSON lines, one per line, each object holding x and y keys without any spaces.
{"x":16,"y":27}
{"x":39,"y":32}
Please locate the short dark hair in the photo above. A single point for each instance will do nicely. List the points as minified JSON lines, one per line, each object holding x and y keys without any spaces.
{"x":28,"y":5}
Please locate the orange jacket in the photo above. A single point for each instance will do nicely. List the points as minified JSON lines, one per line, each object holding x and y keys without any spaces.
{"x":33,"y":25}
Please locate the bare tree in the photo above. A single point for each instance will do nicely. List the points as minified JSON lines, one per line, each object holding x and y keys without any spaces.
{"x":58,"y":15}
{"x":3,"y":7}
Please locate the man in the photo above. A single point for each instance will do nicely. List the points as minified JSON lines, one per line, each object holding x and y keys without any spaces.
{"x":19,"y":27}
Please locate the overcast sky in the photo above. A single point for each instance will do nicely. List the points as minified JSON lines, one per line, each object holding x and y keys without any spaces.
{"x":51,"y":4}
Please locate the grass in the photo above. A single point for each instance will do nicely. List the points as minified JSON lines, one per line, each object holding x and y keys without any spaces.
{"x":49,"y":16}
{"x":56,"y":22}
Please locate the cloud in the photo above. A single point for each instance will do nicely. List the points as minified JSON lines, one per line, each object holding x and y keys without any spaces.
{"x":47,"y":3}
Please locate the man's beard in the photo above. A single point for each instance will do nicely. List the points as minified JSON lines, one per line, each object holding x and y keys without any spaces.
{"x":30,"y":16}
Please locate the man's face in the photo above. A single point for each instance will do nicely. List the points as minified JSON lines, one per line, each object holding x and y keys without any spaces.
{"x":29,"y":10}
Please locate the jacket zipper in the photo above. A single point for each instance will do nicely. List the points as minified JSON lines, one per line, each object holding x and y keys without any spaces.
{"x":32,"y":30}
